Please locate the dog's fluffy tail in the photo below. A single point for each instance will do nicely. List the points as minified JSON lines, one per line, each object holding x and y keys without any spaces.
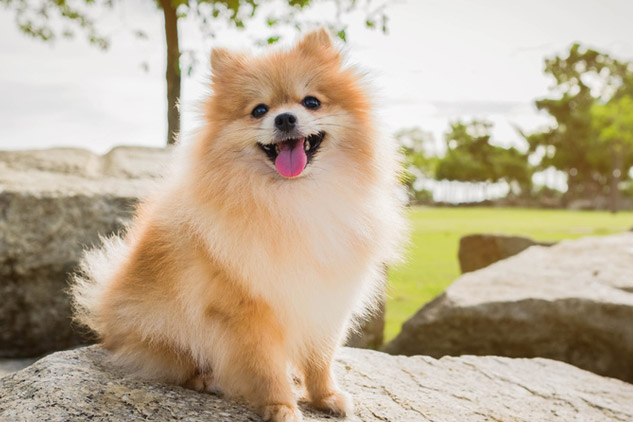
{"x":90,"y":282}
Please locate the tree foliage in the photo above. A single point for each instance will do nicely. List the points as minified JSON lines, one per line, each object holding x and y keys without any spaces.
{"x":614,"y":122}
{"x":583,"y":78}
{"x":48,"y":20}
{"x":613,"y":129}
{"x":417,"y":148}
{"x":471,"y":158}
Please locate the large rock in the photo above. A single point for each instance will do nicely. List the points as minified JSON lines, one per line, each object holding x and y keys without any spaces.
{"x":572,"y":302}
{"x":370,"y":335}
{"x":80,"y":385}
{"x":53,"y":203}
{"x":477,"y":251}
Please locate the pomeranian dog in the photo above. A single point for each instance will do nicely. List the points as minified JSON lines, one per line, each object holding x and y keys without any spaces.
{"x":260,"y":252}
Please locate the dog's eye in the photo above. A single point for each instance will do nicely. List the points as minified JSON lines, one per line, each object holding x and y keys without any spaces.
{"x":311,"y":103}
{"x":259,"y":110}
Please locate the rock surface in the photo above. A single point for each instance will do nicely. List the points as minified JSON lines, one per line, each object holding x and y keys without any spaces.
{"x":80,"y":385}
{"x":571,"y":302}
{"x":53,"y":203}
{"x":477,"y":251}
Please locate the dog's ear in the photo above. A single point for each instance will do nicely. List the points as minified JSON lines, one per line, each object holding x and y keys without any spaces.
{"x":319,"y":38}
{"x":223,"y":61}
{"x":318,"y":41}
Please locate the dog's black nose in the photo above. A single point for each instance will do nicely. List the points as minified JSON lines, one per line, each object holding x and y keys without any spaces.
{"x":285,"y":122}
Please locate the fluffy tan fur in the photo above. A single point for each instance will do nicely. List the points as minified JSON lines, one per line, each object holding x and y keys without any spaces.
{"x":232,"y":273}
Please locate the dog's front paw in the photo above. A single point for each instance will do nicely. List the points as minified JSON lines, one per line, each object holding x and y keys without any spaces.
{"x":338,"y":403}
{"x":281,"y":413}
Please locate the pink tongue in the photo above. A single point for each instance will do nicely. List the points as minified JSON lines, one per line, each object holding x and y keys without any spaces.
{"x":291,"y":159}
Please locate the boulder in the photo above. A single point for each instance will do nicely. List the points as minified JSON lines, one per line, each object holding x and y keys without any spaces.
{"x":54,"y":203}
{"x":8,"y":366}
{"x":82,"y":385}
{"x":370,"y":334}
{"x":571,"y":302}
{"x":477,"y":251}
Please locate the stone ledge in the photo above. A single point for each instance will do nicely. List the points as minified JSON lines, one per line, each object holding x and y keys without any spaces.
{"x":80,"y":384}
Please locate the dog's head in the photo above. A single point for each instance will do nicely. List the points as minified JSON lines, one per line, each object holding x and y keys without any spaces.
{"x":287,"y":114}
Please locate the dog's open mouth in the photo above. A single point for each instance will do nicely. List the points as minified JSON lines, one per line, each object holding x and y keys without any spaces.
{"x":291,"y":156}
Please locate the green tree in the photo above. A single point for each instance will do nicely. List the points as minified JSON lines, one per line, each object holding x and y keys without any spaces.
{"x":512,"y":165}
{"x":613,"y":124}
{"x":49,"y":20}
{"x":420,"y":160}
{"x":471,"y":158}
{"x":582,"y":78}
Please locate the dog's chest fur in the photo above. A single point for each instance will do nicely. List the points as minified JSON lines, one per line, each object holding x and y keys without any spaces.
{"x":315,"y":266}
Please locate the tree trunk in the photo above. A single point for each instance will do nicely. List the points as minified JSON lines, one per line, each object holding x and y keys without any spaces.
{"x":616,"y":173}
{"x":173,"y":70}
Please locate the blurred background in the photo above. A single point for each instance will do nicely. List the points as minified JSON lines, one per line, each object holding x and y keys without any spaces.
{"x":515,"y":117}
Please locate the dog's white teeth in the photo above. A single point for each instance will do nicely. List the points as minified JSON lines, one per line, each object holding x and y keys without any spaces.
{"x":306,"y":145}
{"x":277,"y":148}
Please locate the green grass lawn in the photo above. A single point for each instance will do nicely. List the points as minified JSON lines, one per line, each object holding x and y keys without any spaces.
{"x":431,"y":261}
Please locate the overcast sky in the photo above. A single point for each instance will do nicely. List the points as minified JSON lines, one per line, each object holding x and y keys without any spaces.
{"x":441,"y":60}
